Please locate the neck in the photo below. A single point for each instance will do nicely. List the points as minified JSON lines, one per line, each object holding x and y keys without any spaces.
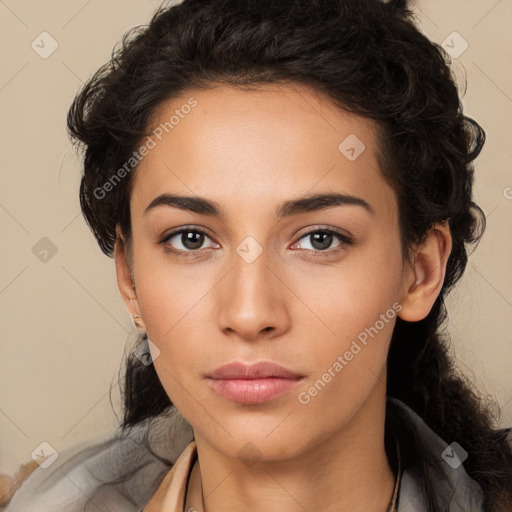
{"x":349,"y":471}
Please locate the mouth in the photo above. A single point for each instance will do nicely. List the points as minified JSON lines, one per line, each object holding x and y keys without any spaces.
{"x":252,"y":383}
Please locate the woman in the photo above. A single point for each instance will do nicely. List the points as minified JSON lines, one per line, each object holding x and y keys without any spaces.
{"x":286,"y":188}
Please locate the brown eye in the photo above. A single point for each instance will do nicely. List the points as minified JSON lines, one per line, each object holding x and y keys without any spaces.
{"x":186,"y":241}
{"x":192,"y":240}
{"x":321,"y":240}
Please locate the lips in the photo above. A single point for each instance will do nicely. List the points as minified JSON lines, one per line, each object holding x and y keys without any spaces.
{"x":252,"y":383}
{"x":259,"y":370}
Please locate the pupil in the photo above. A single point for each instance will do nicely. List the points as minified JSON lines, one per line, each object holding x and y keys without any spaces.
{"x":327,"y":237}
{"x":187,"y":239}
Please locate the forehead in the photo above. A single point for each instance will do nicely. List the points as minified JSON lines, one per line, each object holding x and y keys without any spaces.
{"x":242,"y":146}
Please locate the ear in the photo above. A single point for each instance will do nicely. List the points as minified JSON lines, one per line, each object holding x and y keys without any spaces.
{"x":423,"y":279}
{"x":125,"y":279}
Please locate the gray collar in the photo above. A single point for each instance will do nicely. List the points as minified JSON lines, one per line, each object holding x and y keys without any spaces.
{"x":143,"y":454}
{"x":455,"y":491}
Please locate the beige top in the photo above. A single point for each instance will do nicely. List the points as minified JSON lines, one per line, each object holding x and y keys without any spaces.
{"x":172,"y":492}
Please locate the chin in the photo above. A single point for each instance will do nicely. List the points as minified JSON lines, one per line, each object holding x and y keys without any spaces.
{"x":268,"y":439}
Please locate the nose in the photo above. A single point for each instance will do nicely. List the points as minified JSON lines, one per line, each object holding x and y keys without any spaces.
{"x":253,"y":301}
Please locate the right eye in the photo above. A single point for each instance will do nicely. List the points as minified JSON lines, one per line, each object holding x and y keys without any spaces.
{"x":185,"y":241}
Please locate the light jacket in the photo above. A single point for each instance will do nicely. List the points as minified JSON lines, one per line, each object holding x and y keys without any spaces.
{"x":125,"y":473}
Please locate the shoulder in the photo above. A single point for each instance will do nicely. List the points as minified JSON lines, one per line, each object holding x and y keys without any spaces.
{"x":122,"y":472}
{"x":442,"y":464}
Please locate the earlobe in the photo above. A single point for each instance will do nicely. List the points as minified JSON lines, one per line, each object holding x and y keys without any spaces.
{"x":424,"y":278}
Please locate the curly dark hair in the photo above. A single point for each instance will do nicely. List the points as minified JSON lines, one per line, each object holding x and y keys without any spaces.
{"x":368,"y":57}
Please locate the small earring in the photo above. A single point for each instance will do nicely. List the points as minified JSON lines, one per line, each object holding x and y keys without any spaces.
{"x":138,"y":323}
{"x":137,"y":319}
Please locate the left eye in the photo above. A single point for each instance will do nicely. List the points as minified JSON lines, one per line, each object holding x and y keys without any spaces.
{"x":321,"y":241}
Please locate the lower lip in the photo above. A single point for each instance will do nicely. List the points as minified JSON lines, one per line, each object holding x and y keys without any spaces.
{"x":252,"y":391}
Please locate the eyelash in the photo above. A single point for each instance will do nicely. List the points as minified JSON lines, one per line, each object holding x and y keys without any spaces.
{"x":344,"y":239}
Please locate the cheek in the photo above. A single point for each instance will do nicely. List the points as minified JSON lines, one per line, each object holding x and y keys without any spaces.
{"x":345,"y":298}
{"x":167,"y":292}
{"x":170,"y":306}
{"x":172,"y":300}
{"x":352,"y":311}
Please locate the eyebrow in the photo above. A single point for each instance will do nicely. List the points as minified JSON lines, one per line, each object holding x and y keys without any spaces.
{"x":308,"y":203}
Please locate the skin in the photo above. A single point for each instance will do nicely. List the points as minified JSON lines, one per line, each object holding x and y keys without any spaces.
{"x":249,"y":151}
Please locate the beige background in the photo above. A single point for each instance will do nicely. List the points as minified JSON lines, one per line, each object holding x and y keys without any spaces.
{"x":64,"y":327}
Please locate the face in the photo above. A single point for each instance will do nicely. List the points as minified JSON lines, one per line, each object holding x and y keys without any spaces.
{"x":256,"y":275}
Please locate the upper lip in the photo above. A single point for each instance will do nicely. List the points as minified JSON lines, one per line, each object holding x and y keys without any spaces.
{"x":260,"y":370}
